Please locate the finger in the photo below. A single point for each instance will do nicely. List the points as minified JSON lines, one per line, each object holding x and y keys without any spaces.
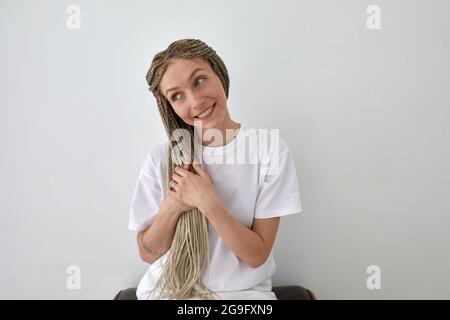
{"x":187,"y":166}
{"x":172,"y":193}
{"x":198,"y":169}
{"x":177,"y":177}
{"x":181,"y":171}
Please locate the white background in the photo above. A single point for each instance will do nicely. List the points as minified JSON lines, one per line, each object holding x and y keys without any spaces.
{"x":365,"y":113}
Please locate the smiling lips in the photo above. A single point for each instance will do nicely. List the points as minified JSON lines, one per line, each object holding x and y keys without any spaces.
{"x":205,"y":113}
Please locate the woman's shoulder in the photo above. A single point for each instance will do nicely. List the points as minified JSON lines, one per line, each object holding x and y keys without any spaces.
{"x":158,"y":151}
{"x":156,"y":157}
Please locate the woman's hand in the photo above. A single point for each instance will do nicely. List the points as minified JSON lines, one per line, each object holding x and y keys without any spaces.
{"x":193,"y":189}
{"x":172,"y":204}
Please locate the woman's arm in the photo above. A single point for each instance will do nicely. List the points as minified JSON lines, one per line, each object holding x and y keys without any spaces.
{"x":253,"y":245}
{"x":154,"y":241}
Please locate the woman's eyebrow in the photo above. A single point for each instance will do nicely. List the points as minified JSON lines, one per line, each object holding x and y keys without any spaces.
{"x":190,"y":77}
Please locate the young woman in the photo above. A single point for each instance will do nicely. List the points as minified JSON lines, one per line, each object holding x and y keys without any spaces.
{"x":208,"y":201}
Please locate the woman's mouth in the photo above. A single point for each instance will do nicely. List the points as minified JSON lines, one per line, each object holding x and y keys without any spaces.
{"x":206,"y":114}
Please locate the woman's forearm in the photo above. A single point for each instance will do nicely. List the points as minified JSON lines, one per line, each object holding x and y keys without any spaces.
{"x":244,"y":242}
{"x":157,"y":239}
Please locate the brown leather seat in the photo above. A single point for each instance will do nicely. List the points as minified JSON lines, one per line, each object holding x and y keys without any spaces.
{"x":282,"y":293}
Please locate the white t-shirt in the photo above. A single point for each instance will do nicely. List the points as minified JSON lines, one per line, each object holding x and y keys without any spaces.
{"x":255,"y":177}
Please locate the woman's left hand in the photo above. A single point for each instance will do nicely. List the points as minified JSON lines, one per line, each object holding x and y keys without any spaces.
{"x":194,"y":189}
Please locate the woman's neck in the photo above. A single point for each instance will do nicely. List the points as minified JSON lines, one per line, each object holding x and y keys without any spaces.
{"x":209,"y":139}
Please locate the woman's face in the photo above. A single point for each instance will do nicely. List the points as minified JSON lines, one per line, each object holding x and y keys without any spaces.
{"x":195,"y":93}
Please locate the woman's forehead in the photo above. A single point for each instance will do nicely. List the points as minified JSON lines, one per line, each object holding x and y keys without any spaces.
{"x":185,"y":65}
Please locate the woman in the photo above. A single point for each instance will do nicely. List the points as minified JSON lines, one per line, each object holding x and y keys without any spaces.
{"x":206,"y":222}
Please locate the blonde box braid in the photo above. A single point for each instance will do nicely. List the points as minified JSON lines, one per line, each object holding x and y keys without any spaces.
{"x":190,"y":246}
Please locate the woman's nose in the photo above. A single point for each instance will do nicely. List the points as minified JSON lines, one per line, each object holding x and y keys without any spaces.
{"x":195,"y":103}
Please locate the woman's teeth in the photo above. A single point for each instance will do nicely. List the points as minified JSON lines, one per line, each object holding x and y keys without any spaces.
{"x":205,"y":114}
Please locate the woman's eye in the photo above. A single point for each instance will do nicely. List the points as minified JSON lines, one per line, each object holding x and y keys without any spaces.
{"x":173,"y":97}
{"x":201,"y":79}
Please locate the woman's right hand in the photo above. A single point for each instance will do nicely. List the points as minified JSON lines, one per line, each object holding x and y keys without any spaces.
{"x":174,"y":205}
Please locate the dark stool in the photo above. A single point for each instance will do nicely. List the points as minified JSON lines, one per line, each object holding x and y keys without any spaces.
{"x":282,"y":293}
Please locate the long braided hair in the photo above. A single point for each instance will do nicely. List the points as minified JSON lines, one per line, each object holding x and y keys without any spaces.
{"x":181,"y":274}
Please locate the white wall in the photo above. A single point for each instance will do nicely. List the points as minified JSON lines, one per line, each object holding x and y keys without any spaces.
{"x":365,"y":113}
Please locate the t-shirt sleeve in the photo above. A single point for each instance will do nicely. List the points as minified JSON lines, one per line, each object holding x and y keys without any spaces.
{"x":279,"y":194}
{"x":146,"y":197}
